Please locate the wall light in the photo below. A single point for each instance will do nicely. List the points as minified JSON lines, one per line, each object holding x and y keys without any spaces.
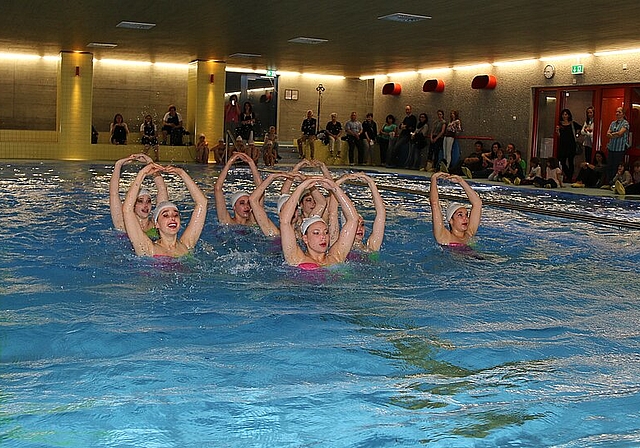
{"x":474,"y":66}
{"x":565,"y":56}
{"x":77,"y":70}
{"x":615,"y":52}
{"x":211,"y":78}
{"x":511,"y":63}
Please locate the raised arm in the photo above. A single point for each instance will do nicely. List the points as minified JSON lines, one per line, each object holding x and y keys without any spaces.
{"x":288,"y":183}
{"x":192,"y":233}
{"x":218,"y":192}
{"x":374,"y":242}
{"x":440,"y":233}
{"x":161,"y":186}
{"x":256,"y":199}
{"x":141,"y":242}
{"x":341,"y":248}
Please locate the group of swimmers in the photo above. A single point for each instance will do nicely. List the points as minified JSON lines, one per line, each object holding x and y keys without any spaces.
{"x":318,"y":223}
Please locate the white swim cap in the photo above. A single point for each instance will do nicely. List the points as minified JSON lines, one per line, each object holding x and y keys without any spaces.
{"x":237,"y":195}
{"x":163,"y":206}
{"x":308,"y":222}
{"x":281,"y":200}
{"x":144,"y":192}
{"x":453,"y":208}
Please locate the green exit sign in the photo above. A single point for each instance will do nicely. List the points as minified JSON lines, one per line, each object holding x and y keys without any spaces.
{"x":271,"y":73}
{"x":577,"y":69}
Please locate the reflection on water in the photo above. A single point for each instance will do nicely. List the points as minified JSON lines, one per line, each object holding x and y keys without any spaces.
{"x":535,"y":344}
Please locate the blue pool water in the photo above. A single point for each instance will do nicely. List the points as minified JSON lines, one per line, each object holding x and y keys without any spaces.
{"x":534,"y":344}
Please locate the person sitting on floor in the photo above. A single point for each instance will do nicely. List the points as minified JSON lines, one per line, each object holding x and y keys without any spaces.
{"x":634,"y":188}
{"x":553,"y":175}
{"x":622,"y":175}
{"x":513,"y":173}
{"x":534,"y":171}
{"x":592,"y":175}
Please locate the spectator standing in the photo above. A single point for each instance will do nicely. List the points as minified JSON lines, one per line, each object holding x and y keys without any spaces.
{"x":618,"y":135}
{"x":567,"y":129}
{"x":437,"y":138}
{"x":587,"y":133}
{"x":353,"y":129}
{"x":386,"y":136}
{"x":231,"y":116}
{"x":369,"y":135}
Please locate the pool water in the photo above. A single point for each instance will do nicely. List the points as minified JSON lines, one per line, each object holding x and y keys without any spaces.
{"x":531,"y":342}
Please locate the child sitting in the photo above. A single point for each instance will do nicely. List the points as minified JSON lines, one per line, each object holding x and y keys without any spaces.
{"x":268,"y":154}
{"x":554,"y":175}
{"x":273,"y":138}
{"x":622,"y":175}
{"x":500,"y":163}
{"x":202,"y":150}
{"x":513,"y":174}
{"x":534,"y":172}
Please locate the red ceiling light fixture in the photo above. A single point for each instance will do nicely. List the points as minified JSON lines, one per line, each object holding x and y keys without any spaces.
{"x":391,"y":88}
{"x":433,"y":85}
{"x":486,"y":82}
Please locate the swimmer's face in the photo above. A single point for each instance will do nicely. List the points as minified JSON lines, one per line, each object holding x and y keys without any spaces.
{"x":242,"y":207}
{"x":169,"y":221}
{"x":142,"y":207}
{"x":460,"y":220}
{"x":308,"y":204}
{"x":360,"y":229}
{"x":317,"y":237}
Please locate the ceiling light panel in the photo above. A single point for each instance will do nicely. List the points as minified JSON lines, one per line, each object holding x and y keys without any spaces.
{"x":308,"y":40}
{"x":135,"y":25}
{"x":403,"y":17}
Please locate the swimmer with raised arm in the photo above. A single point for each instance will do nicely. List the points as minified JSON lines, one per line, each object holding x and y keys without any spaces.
{"x":374,"y":242}
{"x":166,"y":218}
{"x":242,"y":214}
{"x":463,"y":225}
{"x":312,"y":201}
{"x":143,"y":203}
{"x":256,"y":200}
{"x":315,"y":233}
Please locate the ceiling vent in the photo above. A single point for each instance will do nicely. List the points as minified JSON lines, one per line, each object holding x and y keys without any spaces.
{"x":135,"y":25}
{"x":308,"y":40}
{"x":101,"y":45}
{"x":244,"y":55}
{"x":402,"y":17}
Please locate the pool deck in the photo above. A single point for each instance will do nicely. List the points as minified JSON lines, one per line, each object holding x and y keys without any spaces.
{"x":427,"y":175}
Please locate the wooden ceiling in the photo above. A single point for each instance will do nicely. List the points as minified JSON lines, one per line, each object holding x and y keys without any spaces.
{"x":358,"y":43}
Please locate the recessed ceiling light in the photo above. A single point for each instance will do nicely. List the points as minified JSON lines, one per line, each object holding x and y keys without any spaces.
{"x":101,"y":45}
{"x":307,"y":40}
{"x":244,"y":55}
{"x":402,"y":17}
{"x":135,"y":25}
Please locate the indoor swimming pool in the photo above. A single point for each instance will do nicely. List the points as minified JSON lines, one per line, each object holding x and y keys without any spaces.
{"x":532,"y":342}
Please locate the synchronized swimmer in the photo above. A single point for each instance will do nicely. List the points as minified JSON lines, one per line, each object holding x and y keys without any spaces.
{"x":309,"y":216}
{"x":463,"y":225}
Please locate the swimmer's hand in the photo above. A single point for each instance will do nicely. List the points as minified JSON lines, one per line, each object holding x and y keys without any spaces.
{"x":143,"y":158}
